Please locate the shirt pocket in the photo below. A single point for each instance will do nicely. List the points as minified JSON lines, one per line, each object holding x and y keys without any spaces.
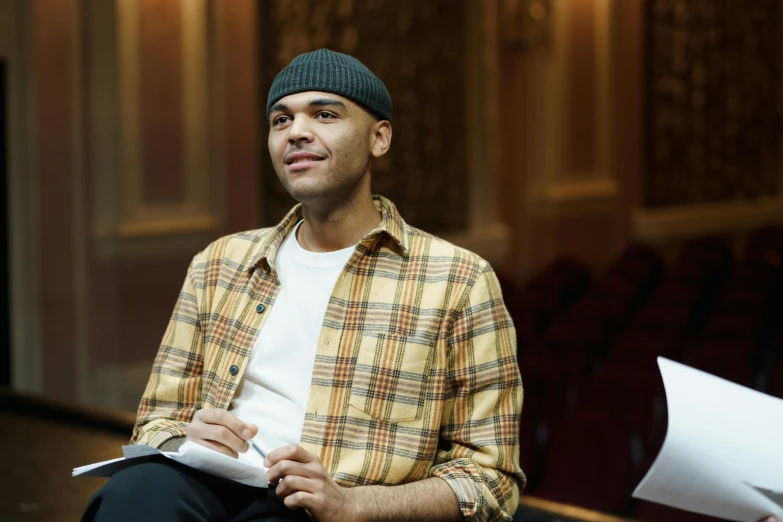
{"x":390,"y":378}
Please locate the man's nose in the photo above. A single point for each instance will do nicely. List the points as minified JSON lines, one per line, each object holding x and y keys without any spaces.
{"x":299,"y":130}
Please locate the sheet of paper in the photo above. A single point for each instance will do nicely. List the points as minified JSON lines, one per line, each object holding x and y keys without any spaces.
{"x":189,"y":454}
{"x":205,"y":459}
{"x":721,"y":438}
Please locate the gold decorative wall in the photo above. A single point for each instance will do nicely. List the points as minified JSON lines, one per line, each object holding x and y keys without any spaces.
{"x":713,"y":90}
{"x":417,"y":49}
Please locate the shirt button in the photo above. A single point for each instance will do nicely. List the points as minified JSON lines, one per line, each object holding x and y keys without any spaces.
{"x":260,"y":308}
{"x":234,"y":369}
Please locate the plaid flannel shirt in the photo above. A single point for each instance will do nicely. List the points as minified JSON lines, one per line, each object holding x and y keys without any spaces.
{"x":415,"y":373}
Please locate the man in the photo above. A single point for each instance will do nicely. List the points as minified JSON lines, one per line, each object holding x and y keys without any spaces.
{"x":374,"y":362}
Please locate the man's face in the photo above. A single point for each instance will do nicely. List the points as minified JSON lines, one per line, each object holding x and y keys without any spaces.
{"x":320,"y":144}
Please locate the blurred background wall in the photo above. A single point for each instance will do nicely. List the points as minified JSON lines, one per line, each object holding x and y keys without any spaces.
{"x":523,"y":130}
{"x":133,"y":143}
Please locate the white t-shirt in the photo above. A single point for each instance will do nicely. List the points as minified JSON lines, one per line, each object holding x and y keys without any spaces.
{"x":275,"y":387}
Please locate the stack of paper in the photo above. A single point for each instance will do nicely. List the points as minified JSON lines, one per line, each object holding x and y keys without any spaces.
{"x":723,"y":452}
{"x":189,"y":454}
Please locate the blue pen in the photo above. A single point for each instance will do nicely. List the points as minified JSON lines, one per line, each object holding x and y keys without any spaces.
{"x":255,"y":447}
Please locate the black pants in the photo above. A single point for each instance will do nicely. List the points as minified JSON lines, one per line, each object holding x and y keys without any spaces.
{"x":172,"y":492}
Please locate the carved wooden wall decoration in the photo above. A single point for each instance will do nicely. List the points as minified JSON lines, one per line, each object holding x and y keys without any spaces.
{"x":416,"y":48}
{"x":713,"y":88}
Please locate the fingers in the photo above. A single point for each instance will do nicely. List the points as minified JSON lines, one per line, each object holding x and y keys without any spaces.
{"x":225,"y":450}
{"x":220,"y":430}
{"x":290,"y":452}
{"x":290,"y":468}
{"x":216,"y":416}
{"x":769,"y":519}
{"x":299,"y":492}
{"x":300,"y":499}
{"x":215,"y":433}
{"x":222,"y":435}
{"x":291,"y":484}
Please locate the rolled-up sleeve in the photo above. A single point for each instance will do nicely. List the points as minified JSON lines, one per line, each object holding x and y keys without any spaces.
{"x":480,"y":421}
{"x":173,"y":392}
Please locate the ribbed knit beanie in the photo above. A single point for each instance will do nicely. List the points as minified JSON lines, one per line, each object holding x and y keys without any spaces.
{"x":338,"y":73}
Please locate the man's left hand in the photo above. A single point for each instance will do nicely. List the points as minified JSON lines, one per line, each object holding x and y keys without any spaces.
{"x":303,"y":482}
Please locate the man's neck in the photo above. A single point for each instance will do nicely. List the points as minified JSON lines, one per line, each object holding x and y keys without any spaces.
{"x":337,"y":228}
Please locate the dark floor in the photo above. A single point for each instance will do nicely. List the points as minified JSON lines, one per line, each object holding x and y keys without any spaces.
{"x":38,"y":457}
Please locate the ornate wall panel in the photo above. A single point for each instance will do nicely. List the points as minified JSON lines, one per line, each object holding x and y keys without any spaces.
{"x":162,"y":63}
{"x":134,"y":129}
{"x":713,"y":89}
{"x":566,"y":86}
{"x":417,"y":49}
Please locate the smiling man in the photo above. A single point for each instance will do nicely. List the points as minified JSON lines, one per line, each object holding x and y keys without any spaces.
{"x":375,"y":363}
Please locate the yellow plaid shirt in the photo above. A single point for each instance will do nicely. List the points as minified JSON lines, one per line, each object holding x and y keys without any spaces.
{"x":415,"y":373}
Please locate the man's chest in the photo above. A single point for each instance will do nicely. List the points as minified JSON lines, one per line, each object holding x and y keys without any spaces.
{"x":381,"y":334}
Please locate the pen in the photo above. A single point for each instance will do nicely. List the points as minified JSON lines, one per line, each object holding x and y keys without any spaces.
{"x":255,"y":447}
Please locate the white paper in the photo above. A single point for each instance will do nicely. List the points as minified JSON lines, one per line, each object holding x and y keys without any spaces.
{"x":190,"y":454}
{"x":723,"y":451}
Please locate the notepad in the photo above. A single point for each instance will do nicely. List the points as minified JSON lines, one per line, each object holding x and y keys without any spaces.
{"x":190,"y":454}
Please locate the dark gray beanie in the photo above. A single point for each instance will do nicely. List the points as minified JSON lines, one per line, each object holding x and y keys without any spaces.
{"x":338,"y":73}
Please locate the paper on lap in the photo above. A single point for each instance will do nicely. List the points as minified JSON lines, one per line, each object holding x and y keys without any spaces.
{"x":190,"y":454}
{"x":723,"y":452}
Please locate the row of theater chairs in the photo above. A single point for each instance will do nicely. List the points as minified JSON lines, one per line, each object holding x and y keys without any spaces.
{"x":556,"y":366}
{"x":739,"y":337}
{"x":626,"y":391}
{"x":594,"y":415}
{"x":545,"y":297}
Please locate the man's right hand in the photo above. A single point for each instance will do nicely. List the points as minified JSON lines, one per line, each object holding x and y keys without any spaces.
{"x":221,"y":431}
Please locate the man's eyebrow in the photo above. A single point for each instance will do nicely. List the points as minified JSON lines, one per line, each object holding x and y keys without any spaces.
{"x":282,"y":107}
{"x":321,"y":102}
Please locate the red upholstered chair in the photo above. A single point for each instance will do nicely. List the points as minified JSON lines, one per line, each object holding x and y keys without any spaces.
{"x":775,"y":386}
{"x":550,"y":379}
{"x":670,"y":315}
{"x":531,"y":454}
{"x":556,"y":288}
{"x":732,"y":367}
{"x":589,"y":463}
{"x":734,"y":326}
{"x":631,"y":393}
{"x":641,"y":263}
{"x":645,"y":346}
{"x":766,"y":244}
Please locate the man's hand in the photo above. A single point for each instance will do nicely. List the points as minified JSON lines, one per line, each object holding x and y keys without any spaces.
{"x":221,"y":431}
{"x":303,"y":482}
{"x":769,"y":519}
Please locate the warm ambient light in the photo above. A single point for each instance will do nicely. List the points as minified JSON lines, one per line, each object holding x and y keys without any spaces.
{"x":526,"y":23}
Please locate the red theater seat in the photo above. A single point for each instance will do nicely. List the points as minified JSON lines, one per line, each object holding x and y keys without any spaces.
{"x":589,"y":463}
{"x":735,"y":368}
{"x":775,"y":387}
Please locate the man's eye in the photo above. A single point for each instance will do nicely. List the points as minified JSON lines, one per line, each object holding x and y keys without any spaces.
{"x":279,"y":120}
{"x":327,"y":115}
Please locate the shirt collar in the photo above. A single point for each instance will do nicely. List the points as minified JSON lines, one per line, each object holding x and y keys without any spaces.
{"x":391,"y":225}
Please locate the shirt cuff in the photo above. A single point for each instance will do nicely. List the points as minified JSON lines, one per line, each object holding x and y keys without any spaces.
{"x":160,"y":431}
{"x":466,"y":481}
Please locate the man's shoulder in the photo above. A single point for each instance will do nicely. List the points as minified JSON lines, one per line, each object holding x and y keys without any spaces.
{"x":440,"y":251}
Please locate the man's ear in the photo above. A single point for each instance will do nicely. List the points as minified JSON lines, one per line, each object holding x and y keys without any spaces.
{"x":381,"y":135}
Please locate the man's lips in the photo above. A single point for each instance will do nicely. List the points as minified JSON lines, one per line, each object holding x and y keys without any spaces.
{"x":301,"y":159}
